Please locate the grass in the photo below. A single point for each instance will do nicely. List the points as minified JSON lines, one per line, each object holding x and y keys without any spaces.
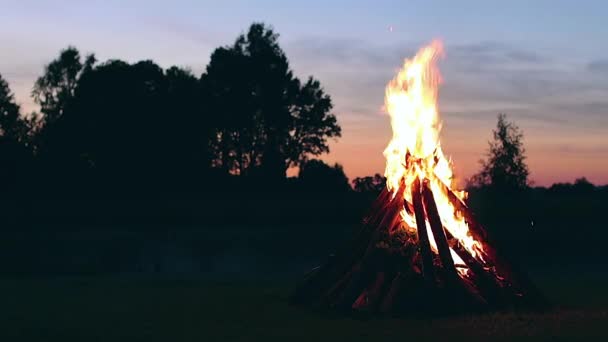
{"x":131,"y":308}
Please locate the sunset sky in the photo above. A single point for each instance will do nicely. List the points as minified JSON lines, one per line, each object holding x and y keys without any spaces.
{"x":543,"y":63}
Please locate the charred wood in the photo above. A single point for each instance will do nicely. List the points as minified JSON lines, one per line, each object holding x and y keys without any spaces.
{"x":423,"y":238}
{"x":432,"y":214}
{"x":511,"y":278}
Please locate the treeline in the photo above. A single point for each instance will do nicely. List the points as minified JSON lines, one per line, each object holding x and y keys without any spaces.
{"x":115,"y":141}
{"x":136,"y":129}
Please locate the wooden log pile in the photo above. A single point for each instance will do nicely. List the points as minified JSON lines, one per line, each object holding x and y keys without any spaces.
{"x":386,"y":269}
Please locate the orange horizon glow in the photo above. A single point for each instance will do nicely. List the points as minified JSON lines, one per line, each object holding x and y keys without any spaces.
{"x":553,"y":154}
{"x":547,"y":166}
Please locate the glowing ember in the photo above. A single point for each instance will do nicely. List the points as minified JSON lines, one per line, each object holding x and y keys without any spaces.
{"x":415,"y":151}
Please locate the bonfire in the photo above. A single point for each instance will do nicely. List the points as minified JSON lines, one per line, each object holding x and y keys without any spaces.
{"x":420,"y":248}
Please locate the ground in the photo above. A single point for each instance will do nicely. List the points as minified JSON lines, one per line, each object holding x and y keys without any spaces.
{"x":138,"y":308}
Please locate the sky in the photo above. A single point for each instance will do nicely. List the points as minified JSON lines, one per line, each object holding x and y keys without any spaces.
{"x":543,"y":63}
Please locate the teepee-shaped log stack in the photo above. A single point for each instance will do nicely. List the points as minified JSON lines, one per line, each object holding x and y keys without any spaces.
{"x":420,"y":248}
{"x":388,"y":269}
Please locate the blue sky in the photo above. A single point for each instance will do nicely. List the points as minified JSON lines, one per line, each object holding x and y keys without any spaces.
{"x":544,"y":63}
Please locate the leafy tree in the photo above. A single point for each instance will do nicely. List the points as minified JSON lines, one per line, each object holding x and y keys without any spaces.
{"x":267,"y":120}
{"x":186,"y":123}
{"x":375,"y":183}
{"x":584,"y":184}
{"x":12,"y":125}
{"x":311,"y":125}
{"x":316,"y":175}
{"x":110,"y":127}
{"x":15,"y":156}
{"x":505,"y":166}
{"x":34,"y":122}
{"x":581,"y":186}
{"x":133,"y":126}
{"x":226,"y":95}
{"x":56,"y":86}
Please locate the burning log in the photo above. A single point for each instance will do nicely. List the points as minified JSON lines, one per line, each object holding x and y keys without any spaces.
{"x":343,"y":266}
{"x":510,"y":278}
{"x":473,"y":293}
{"x":473,"y":264}
{"x":423,"y":238}
{"x":485,"y":281}
{"x":438,"y":233}
{"x":383,"y":209}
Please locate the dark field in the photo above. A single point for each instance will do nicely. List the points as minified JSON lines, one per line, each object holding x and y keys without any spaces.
{"x":162,"y":282}
{"x":154,"y":309}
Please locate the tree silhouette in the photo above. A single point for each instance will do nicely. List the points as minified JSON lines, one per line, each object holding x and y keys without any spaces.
{"x":130,"y":126}
{"x":104,"y":127}
{"x":12,"y":125}
{"x":311,"y":125}
{"x":267,"y":119}
{"x":187,"y":127}
{"x":505,"y":166}
{"x":581,"y":186}
{"x":56,"y":86}
{"x":117,"y":125}
{"x":15,"y":156}
{"x":227,"y":97}
{"x":373,"y":184}
{"x":316,"y":175}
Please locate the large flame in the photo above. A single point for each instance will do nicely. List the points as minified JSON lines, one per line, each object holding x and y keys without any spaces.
{"x":415,"y":151}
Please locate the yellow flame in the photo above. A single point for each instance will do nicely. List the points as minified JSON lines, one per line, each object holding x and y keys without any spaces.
{"x":415,"y":151}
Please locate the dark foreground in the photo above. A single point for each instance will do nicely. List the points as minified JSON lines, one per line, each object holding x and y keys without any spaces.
{"x":140,"y":308}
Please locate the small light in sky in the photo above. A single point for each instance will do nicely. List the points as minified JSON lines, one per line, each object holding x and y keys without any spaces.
{"x":390,"y":28}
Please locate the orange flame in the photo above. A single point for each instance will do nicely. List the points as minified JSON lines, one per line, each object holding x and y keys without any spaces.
{"x":415,"y":151}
